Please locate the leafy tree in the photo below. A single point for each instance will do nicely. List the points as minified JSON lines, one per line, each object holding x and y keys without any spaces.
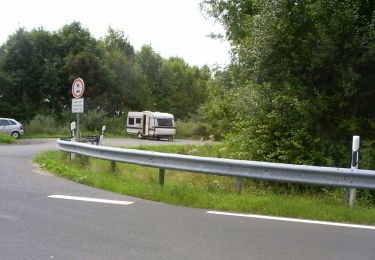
{"x":16,"y":64}
{"x":38,"y":67}
{"x":117,"y":40}
{"x":150,"y":63}
{"x":308,"y":68}
{"x":180,"y":89}
{"x":126,"y":88}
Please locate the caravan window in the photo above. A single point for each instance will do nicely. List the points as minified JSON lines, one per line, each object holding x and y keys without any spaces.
{"x":137,"y":120}
{"x":131,"y":121}
{"x":165,"y":122}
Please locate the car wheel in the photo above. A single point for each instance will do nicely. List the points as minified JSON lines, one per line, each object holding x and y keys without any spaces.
{"x":16,"y":134}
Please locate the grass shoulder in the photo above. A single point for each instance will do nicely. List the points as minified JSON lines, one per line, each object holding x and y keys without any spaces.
{"x":208,"y":191}
{"x":6,"y":138}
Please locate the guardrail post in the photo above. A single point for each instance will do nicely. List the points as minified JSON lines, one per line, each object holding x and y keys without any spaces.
{"x":351,"y":192}
{"x":161,"y":176}
{"x":238,"y":185}
{"x":113,"y":166}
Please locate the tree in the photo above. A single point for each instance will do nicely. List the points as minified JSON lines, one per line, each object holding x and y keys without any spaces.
{"x":180,"y":88}
{"x":37,"y":69}
{"x":125,"y":80}
{"x":16,"y":64}
{"x":308,"y":68}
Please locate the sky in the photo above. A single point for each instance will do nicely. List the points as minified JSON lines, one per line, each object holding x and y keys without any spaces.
{"x":171,"y":27}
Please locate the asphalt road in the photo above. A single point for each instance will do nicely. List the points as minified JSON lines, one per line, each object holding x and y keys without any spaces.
{"x":36,"y":226}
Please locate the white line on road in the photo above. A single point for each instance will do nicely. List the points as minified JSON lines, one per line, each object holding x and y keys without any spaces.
{"x":119,"y":202}
{"x":291,"y":220}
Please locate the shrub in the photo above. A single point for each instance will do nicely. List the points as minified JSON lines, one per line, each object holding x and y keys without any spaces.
{"x":191,"y":129}
{"x":116,"y":126}
{"x":93,"y":120}
{"x":45,"y":124}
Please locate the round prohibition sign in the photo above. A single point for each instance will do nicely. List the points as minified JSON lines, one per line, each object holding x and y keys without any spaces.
{"x":78,"y":88}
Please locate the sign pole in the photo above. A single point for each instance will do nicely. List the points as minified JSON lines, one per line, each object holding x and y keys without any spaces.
{"x":78,"y":133}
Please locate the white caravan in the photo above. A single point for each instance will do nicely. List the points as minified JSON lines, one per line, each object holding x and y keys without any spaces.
{"x":148,"y":124}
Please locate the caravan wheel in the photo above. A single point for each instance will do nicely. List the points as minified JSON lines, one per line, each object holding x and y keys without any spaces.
{"x":139,"y":136}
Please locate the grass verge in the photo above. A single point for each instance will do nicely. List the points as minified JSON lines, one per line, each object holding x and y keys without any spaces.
{"x":6,"y":138}
{"x":204,"y":191}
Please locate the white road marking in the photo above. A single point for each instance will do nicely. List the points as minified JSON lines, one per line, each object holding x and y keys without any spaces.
{"x":119,"y":202}
{"x":291,"y":220}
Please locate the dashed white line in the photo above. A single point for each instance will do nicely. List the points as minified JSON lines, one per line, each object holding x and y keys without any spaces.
{"x":291,"y":220}
{"x":119,"y":202}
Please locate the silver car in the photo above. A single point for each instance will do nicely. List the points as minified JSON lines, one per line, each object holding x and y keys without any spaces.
{"x":11,"y":126}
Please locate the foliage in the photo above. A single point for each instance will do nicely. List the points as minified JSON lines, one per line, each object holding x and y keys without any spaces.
{"x":191,"y":129}
{"x":93,"y":120}
{"x":45,"y":124}
{"x":38,"y":67}
{"x":300,"y":84}
{"x":115,"y":126}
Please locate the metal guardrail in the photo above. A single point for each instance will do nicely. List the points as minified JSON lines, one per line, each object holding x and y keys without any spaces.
{"x":326,"y":176}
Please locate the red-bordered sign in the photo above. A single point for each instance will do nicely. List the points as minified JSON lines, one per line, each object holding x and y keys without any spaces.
{"x":78,"y":88}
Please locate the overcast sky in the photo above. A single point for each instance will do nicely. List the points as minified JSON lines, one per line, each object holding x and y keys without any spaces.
{"x":172,"y":27}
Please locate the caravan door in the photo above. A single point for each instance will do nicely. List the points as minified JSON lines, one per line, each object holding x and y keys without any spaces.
{"x":145,"y":124}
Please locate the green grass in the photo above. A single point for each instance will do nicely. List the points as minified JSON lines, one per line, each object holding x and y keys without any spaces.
{"x":206,"y":191}
{"x":6,"y":138}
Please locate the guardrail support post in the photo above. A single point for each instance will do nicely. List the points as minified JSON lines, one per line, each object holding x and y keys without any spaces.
{"x":238,"y":185}
{"x":161,"y":176}
{"x":113,"y":166}
{"x":351,"y":192}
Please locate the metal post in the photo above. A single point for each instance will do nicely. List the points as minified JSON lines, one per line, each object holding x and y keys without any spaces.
{"x":113,"y":166}
{"x":238,"y":185}
{"x":161,"y":176}
{"x":351,"y":192}
{"x":78,"y":134}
